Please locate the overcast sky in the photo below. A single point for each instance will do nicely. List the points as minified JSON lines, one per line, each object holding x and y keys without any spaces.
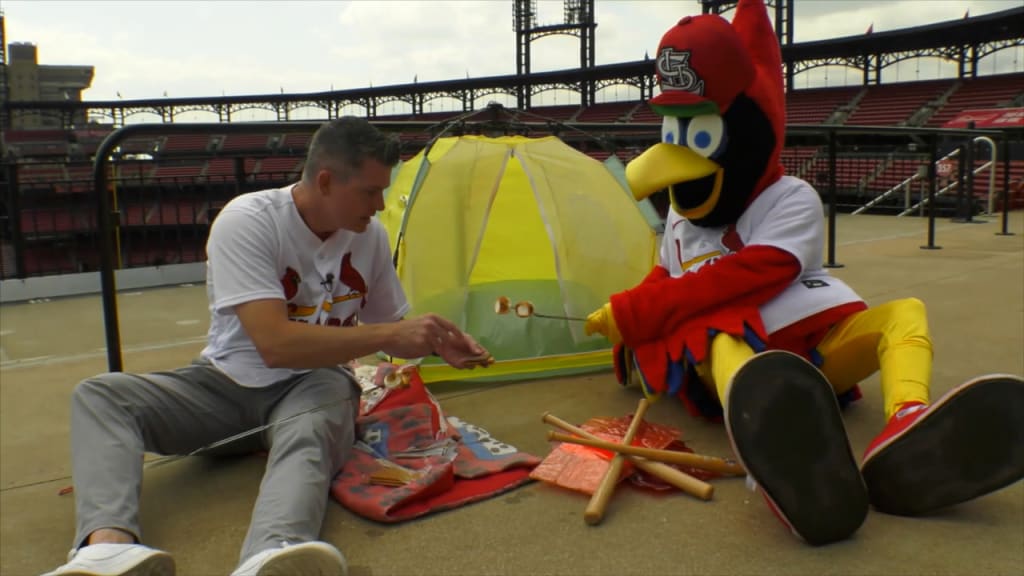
{"x":189,"y":48}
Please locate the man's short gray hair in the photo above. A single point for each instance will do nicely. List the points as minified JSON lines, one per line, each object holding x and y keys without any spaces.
{"x":344,"y":144}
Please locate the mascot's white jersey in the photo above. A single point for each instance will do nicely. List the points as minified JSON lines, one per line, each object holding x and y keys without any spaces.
{"x":786,"y":215}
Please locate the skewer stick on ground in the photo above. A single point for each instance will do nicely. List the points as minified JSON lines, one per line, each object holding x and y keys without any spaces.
{"x":599,"y":500}
{"x":710,"y":463}
{"x":677,"y":478}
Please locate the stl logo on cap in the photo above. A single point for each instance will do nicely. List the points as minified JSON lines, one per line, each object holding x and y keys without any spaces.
{"x":676,"y":73}
{"x":702,"y":65}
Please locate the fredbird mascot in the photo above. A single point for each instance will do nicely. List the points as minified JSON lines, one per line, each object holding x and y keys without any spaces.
{"x":741,"y":320}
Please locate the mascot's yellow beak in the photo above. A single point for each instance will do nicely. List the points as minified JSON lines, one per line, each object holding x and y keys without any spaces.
{"x":664,"y":165}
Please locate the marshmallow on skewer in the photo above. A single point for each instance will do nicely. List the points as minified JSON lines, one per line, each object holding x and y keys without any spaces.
{"x":501,"y":306}
{"x":524,"y":309}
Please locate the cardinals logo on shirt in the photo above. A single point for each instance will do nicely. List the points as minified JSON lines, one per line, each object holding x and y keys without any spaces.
{"x":290,"y":282}
{"x":704,"y":251}
{"x":731,"y":239}
{"x":351,"y":277}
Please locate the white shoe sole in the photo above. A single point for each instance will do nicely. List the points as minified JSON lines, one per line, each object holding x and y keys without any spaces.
{"x":159,"y":564}
{"x":305,"y":560}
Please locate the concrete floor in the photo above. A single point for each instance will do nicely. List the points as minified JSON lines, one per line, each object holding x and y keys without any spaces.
{"x":198,"y":509}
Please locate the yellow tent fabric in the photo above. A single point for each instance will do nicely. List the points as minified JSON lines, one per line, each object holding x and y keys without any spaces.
{"x":531,"y":219}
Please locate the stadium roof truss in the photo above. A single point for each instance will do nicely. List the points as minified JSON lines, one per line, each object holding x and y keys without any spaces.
{"x":965,"y":41}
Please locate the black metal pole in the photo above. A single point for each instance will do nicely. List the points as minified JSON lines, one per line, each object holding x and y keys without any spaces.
{"x":14,"y":219}
{"x":933,"y":157}
{"x":969,"y":177}
{"x":961,"y":184}
{"x":832,"y":200}
{"x":1006,"y":188}
{"x":104,"y":223}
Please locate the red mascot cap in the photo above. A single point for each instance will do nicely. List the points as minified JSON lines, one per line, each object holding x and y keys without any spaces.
{"x":702,"y":60}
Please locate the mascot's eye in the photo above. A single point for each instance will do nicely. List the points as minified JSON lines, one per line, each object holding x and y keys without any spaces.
{"x":705,"y":135}
{"x":671,"y":130}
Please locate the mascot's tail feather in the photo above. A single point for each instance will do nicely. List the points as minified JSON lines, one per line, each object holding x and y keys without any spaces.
{"x":754,"y":27}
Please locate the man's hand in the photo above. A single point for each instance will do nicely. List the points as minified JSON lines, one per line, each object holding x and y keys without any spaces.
{"x":430,"y":334}
{"x":461,"y":351}
{"x":602,"y":321}
{"x":420,"y":336}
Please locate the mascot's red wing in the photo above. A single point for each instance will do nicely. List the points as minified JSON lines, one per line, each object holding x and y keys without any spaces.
{"x":734,"y":285}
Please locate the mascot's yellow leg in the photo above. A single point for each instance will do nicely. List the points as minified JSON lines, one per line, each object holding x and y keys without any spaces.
{"x":726,"y":356}
{"x":893,"y":337}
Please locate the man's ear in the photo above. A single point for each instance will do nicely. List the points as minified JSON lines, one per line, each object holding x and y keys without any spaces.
{"x":323,"y":181}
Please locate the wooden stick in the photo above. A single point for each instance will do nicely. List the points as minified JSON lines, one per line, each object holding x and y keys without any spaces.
{"x":599,"y":499}
{"x":711,"y":463}
{"x":677,"y":478}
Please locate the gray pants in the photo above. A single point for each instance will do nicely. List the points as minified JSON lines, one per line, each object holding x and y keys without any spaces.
{"x":116,"y":417}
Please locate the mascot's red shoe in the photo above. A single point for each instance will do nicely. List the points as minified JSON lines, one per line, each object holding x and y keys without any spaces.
{"x":784,"y":423}
{"x":969,"y":443}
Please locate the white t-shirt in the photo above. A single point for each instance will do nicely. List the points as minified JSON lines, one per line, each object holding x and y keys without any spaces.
{"x":786,"y":215}
{"x":259,"y":247}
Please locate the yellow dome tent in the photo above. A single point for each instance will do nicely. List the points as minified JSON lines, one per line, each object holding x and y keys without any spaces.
{"x":531,"y":219}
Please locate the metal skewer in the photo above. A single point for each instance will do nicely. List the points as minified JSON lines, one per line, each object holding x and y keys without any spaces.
{"x":524,"y":309}
{"x":553,"y":317}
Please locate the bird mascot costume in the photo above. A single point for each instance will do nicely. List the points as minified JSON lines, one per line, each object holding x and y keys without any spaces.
{"x":742,"y":322}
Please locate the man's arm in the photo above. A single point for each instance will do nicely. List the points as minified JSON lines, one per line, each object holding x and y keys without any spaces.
{"x":241,"y":255}
{"x":283,"y":343}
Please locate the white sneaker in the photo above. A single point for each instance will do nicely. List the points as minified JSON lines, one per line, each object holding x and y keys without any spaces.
{"x":306,"y":559}
{"x":116,"y":560}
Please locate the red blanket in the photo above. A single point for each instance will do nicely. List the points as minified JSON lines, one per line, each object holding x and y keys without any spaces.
{"x":443,"y":461}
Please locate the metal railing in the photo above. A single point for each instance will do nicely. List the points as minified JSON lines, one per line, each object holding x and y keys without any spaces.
{"x":956,"y":153}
